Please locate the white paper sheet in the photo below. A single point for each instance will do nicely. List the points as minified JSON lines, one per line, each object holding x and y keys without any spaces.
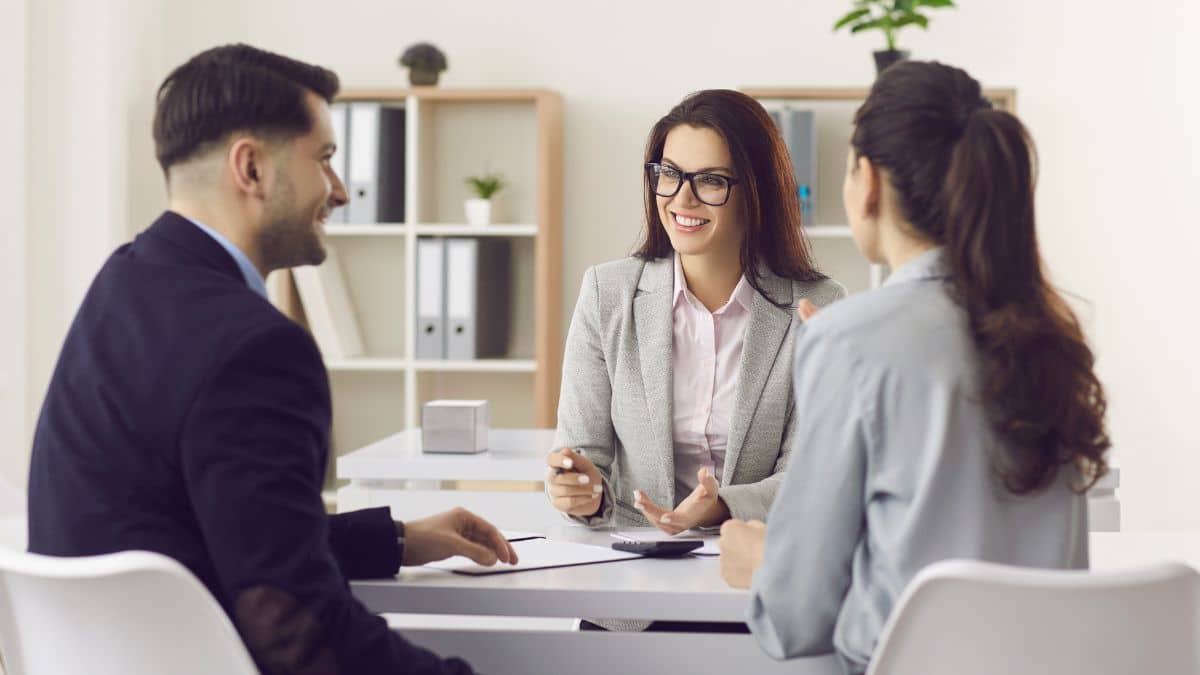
{"x":644,"y":534}
{"x":537,"y":554}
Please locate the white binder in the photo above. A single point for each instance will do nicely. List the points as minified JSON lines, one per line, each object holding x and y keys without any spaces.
{"x":800,"y":133}
{"x":375,"y":163}
{"x":431,"y":321}
{"x":328,"y":309}
{"x":339,"y":120}
{"x":477,"y":298}
{"x":462,"y":257}
{"x":363,"y":174}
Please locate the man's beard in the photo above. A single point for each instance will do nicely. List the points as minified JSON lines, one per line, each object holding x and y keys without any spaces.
{"x":289,"y":239}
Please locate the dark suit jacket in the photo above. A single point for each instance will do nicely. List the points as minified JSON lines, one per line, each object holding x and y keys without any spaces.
{"x":188,"y":416}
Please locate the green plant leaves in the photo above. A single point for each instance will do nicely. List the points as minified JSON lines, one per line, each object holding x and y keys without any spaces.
{"x":892,"y":16}
{"x":485,"y":186}
{"x":851,"y":17}
{"x":911,"y":19}
{"x":881,"y":22}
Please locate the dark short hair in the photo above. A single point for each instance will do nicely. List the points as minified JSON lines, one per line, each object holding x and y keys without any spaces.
{"x":234,"y":88}
{"x":760,"y":159}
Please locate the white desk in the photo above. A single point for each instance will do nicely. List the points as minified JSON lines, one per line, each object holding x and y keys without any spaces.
{"x":685,"y":589}
{"x":688,"y":589}
{"x":394,"y":472}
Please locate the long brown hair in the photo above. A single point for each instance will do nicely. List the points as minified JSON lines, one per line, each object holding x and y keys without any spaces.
{"x":764,"y":170}
{"x":964,"y":174}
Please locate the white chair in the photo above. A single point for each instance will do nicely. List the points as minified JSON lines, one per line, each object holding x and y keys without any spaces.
{"x":963,"y":616}
{"x":130,"y":613}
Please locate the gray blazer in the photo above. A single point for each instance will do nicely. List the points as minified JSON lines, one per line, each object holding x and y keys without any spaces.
{"x":616,"y":400}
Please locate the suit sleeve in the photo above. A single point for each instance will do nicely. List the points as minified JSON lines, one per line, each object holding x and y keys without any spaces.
{"x":252,"y":453}
{"x":752,"y":501}
{"x":364,"y":543}
{"x":818,"y":519}
{"x":585,"y":400}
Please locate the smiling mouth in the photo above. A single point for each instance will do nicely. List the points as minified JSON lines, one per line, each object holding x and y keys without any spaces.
{"x":687,"y":223}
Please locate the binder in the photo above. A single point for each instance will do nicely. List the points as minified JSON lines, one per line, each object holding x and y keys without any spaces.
{"x":328,"y":309}
{"x":431,"y":321}
{"x":339,"y":119}
{"x":375,"y":164}
{"x":477,"y":298}
{"x":800,"y":134}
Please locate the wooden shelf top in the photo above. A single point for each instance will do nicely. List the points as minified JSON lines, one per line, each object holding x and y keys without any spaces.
{"x":1007,"y":97}
{"x":451,"y":95}
{"x":432,"y":229}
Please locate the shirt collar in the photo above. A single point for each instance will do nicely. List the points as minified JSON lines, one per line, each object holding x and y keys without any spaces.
{"x":928,"y":265}
{"x":250,"y":273}
{"x":743,"y":293}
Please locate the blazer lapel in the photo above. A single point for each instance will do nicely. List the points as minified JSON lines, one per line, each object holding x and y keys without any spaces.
{"x":654,"y":321}
{"x":765,"y":333}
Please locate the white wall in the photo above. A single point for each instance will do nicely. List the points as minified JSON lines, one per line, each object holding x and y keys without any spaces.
{"x":14,"y":79}
{"x":92,"y":68}
{"x":1110,"y":98}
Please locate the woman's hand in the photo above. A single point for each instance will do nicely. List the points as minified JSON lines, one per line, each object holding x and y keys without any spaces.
{"x":455,"y":532}
{"x":574,"y":484}
{"x":702,"y":508}
{"x":741,"y":547}
{"x":806,"y":309}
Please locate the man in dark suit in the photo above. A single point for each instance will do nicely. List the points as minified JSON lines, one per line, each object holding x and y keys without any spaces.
{"x":187,"y":416}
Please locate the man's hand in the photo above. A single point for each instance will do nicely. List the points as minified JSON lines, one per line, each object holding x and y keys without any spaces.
{"x":702,"y":508}
{"x":455,"y":532}
{"x":574,"y":484}
{"x":741,"y":550}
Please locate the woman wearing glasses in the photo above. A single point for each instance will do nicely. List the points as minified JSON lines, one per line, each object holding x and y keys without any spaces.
{"x":676,"y":403}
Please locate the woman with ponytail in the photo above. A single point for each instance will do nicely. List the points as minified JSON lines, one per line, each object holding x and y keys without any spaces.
{"x":952,"y":413}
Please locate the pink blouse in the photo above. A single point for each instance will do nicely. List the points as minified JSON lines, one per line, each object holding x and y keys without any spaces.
{"x":706,"y":361}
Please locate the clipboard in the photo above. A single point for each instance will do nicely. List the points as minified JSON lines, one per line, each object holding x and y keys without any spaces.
{"x":537,"y":553}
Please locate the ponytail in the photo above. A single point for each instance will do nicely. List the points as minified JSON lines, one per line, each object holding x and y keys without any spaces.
{"x":1039,"y":379}
{"x":964,"y":173}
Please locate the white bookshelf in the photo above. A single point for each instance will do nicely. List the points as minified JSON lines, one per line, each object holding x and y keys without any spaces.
{"x":432,"y":230}
{"x":451,"y":134}
{"x":834,"y":108}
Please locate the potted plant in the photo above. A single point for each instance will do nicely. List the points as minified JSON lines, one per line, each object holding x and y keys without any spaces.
{"x":479,"y":208}
{"x":424,"y":62}
{"x":889,"y":16}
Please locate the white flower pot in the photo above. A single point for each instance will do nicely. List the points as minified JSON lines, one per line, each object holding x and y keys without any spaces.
{"x":479,"y":212}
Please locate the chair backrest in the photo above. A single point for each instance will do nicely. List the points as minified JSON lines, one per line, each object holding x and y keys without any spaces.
{"x":129,"y":613}
{"x":963,"y":616}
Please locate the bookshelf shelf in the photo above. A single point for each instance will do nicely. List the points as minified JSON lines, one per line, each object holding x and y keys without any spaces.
{"x":367,"y":364}
{"x":478,"y":366}
{"x":380,"y":230}
{"x":432,"y":230}
{"x":828,"y":232}
{"x":498,"y":230}
{"x":448,"y":134}
{"x":833,"y":111}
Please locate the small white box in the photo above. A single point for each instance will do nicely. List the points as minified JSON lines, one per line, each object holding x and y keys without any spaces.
{"x":459,"y":427}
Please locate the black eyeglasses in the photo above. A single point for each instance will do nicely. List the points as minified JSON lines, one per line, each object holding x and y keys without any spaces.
{"x":709,"y":188}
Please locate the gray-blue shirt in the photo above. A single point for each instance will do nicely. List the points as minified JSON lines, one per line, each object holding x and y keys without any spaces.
{"x":253,"y":277}
{"x":892,"y":471}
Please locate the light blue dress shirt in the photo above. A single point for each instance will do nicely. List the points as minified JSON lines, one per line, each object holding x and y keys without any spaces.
{"x":254,"y":278}
{"x":892,"y":471}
